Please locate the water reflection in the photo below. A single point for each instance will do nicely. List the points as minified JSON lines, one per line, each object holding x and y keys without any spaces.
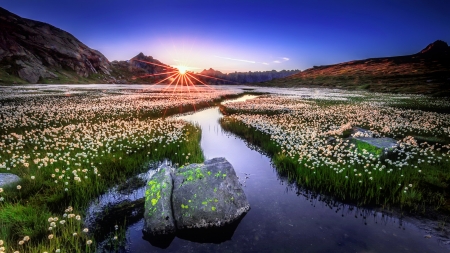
{"x":284,"y":218}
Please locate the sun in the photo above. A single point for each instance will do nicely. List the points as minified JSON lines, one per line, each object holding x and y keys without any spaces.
{"x":182,"y":69}
{"x":179,"y":75}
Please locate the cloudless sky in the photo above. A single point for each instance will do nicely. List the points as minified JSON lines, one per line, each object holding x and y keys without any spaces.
{"x":246,"y":35}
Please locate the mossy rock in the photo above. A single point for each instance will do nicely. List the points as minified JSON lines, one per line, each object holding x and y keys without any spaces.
{"x":195,"y":196}
{"x":158,"y":216}
{"x":207,"y":195}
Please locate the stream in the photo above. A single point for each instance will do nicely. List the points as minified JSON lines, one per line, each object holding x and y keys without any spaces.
{"x":285,"y":219}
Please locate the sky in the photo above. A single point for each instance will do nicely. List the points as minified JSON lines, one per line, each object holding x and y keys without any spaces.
{"x":246,"y":35}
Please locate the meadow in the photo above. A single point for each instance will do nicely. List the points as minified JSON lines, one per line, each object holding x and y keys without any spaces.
{"x":295,"y":131}
{"x":70,"y":147}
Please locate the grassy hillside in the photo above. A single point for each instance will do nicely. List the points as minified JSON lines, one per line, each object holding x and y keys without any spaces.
{"x":427,"y":72}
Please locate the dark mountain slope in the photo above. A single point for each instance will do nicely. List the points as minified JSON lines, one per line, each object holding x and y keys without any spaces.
{"x":32,"y":51}
{"x":426,"y":72}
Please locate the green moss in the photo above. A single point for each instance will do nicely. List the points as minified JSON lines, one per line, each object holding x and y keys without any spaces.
{"x":153,"y":193}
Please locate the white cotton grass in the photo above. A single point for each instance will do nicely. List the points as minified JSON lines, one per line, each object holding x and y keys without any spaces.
{"x":66,"y":141}
{"x":300,"y":127}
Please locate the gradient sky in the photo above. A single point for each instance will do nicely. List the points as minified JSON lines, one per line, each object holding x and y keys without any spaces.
{"x":246,"y":35}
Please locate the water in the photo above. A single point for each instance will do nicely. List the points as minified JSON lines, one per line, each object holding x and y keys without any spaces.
{"x":282,"y":219}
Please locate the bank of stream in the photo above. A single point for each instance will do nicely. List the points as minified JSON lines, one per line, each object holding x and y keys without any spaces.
{"x":282,"y":218}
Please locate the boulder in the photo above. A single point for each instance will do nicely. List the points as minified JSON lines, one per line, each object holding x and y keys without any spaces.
{"x":196,"y":196}
{"x":8,"y":178}
{"x":207,"y":195}
{"x":158,"y":216}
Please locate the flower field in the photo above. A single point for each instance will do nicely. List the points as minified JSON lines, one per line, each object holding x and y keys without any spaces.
{"x":296,"y":132}
{"x":69,"y":148}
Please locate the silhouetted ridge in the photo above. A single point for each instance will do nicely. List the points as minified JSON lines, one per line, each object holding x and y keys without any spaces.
{"x":436,"y":47}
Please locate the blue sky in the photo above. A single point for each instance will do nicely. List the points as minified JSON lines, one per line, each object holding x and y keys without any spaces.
{"x":246,"y":35}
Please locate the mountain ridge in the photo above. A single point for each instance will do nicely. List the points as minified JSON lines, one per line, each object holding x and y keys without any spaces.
{"x":36,"y":52}
{"x":33,"y":50}
{"x":425,"y":72}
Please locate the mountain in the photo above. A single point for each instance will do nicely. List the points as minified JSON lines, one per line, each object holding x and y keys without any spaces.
{"x":32,"y":51}
{"x":139,"y":69}
{"x":244,"y":77}
{"x":426,"y":72}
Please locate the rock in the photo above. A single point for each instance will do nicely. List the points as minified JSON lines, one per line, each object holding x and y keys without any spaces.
{"x":207,"y":195}
{"x":197,"y":196}
{"x":8,"y":178}
{"x":382,"y":143}
{"x":158,"y":216}
{"x":385,"y":144}
{"x":29,"y":74}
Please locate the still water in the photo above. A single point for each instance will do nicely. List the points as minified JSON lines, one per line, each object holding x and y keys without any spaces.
{"x":283,"y":219}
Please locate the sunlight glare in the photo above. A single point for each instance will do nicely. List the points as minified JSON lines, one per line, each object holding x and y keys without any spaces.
{"x":182,"y":69}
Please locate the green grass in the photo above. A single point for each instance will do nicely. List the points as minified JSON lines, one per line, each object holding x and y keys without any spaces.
{"x":428,"y":191}
{"x":25,"y":212}
{"x":361,"y":146}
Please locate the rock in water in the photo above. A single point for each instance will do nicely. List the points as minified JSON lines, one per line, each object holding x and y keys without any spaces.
{"x":158,"y":217}
{"x":8,"y":178}
{"x":207,"y":195}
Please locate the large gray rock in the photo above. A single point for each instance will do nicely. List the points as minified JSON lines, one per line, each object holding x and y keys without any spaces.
{"x":201,"y":196}
{"x":207,"y":195}
{"x":8,"y":178}
{"x":158,"y":216}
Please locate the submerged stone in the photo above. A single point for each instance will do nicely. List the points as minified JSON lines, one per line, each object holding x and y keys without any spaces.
{"x":158,"y":216}
{"x":8,"y":178}
{"x":207,"y":195}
